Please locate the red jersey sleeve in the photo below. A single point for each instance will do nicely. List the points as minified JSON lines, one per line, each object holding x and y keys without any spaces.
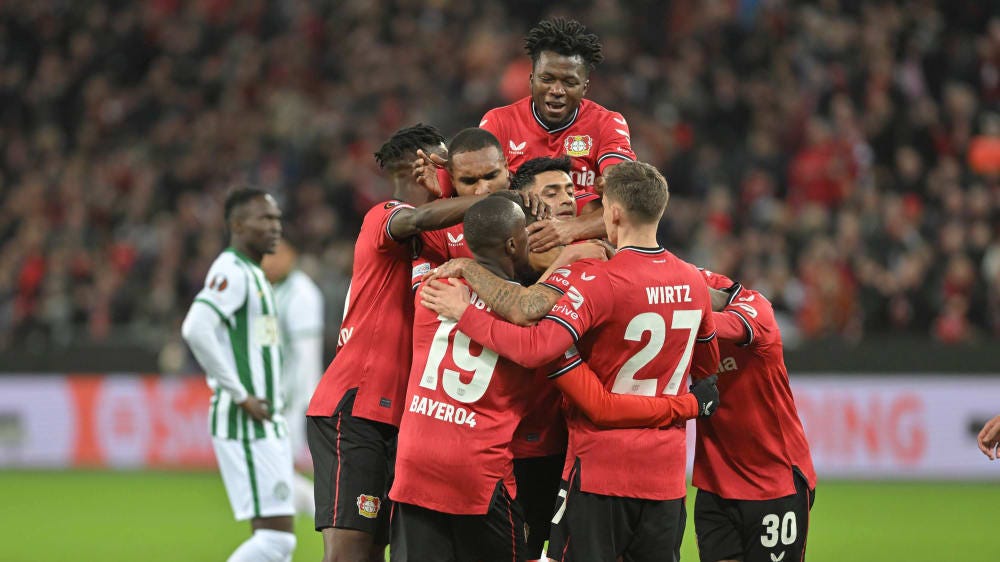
{"x":616,"y":142}
{"x":705,"y":360}
{"x":386,"y":212}
{"x":493,"y":124}
{"x":604,"y":408}
{"x":586,"y":292}
{"x":755,"y":318}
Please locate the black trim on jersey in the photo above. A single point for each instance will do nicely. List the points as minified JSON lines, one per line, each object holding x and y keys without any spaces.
{"x":746,"y":324}
{"x":564,"y":324}
{"x":553,"y":287}
{"x":733,"y":291}
{"x":388,"y":231}
{"x":707,"y":338}
{"x":641,"y":250}
{"x":625,"y":157}
{"x":541,"y":123}
{"x":566,"y":369}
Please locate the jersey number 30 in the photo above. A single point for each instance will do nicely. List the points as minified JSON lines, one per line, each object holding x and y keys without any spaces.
{"x":625,"y":381}
{"x":481,"y":366}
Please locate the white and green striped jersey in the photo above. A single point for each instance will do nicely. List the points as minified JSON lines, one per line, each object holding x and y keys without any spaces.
{"x":300,"y":317}
{"x":237,"y":290}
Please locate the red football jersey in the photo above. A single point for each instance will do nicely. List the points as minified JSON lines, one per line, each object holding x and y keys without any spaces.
{"x":747,"y":449}
{"x":373,"y":351}
{"x":594,"y":138}
{"x":462,"y":406}
{"x":637,"y":320}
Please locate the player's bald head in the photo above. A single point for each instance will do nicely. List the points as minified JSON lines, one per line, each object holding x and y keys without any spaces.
{"x":491,"y":222}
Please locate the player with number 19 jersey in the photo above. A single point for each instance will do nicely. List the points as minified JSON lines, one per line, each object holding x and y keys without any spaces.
{"x":463,"y":403}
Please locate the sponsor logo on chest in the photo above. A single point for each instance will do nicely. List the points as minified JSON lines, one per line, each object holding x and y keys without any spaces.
{"x":728,"y":365}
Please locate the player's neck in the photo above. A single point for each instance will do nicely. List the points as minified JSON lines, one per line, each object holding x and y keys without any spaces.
{"x":501,"y":268}
{"x":244,"y":249}
{"x":640,"y":237}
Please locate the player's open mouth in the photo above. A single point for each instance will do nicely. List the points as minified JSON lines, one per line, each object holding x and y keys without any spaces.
{"x":565,"y":215}
{"x":554,"y":107}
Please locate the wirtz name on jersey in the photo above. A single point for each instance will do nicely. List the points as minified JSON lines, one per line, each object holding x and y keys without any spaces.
{"x":668,"y":294}
{"x":442,"y":411}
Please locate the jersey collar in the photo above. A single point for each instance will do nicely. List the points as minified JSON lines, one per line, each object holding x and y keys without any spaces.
{"x":641,"y":250}
{"x":549,"y":130}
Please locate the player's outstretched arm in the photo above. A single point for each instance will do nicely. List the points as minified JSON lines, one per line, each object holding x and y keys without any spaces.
{"x":531,"y":347}
{"x":604,"y":408}
{"x":431,"y":216}
{"x":989,"y":438}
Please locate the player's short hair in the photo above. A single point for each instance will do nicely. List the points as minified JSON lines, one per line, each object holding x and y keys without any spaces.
{"x":525,"y":175}
{"x":239,"y":197}
{"x":515,"y":198}
{"x":566,"y":37}
{"x":489,"y":223}
{"x":640,"y":188}
{"x":471,"y":140}
{"x":402,"y":146}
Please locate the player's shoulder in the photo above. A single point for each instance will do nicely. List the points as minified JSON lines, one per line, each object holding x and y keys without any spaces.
{"x":582,"y":273}
{"x":230,"y":262}
{"x":386,"y":207}
{"x":593,"y":110}
{"x":505,"y":112}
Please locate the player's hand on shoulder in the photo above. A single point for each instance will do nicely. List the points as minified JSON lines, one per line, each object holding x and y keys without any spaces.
{"x":447,"y":297}
{"x":451,"y":268}
{"x":424,"y":171}
{"x":707,"y":394}
{"x":258,"y":408}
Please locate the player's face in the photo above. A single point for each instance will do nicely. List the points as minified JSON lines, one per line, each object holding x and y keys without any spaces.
{"x":479,"y":172}
{"x":278,"y":265}
{"x":260,"y":227}
{"x":556,"y":189}
{"x":558,"y":84}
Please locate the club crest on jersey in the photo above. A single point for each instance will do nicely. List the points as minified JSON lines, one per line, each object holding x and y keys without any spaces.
{"x":578,"y":145}
{"x":218,"y":282}
{"x":368,"y":506}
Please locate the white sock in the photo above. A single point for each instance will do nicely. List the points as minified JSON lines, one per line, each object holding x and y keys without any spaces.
{"x":302,"y":495}
{"x":265,"y":545}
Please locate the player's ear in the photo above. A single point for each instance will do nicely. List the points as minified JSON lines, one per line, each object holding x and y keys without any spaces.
{"x":586,"y":86}
{"x":510,"y":247}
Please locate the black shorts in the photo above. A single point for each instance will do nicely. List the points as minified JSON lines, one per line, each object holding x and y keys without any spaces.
{"x":420,"y":534}
{"x":593,"y":527}
{"x":754,"y":530}
{"x":353,"y":460}
{"x":538,"y":481}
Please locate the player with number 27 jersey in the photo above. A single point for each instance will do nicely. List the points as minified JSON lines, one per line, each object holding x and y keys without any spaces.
{"x":641,"y":320}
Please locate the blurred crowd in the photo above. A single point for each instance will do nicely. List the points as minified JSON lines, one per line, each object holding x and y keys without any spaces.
{"x":841,"y":156}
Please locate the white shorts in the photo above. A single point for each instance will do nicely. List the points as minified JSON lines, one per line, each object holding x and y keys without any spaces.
{"x":257,"y":475}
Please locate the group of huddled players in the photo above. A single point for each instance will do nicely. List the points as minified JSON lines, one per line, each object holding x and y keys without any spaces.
{"x":519,"y":357}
